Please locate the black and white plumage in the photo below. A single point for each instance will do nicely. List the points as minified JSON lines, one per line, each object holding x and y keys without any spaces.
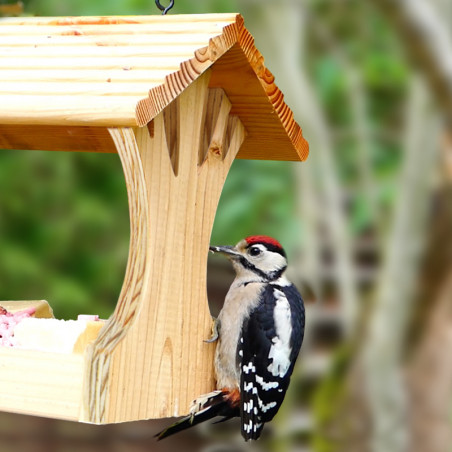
{"x":260,"y":331}
{"x":268,"y":347}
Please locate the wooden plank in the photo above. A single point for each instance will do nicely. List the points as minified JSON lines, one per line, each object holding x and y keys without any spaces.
{"x":40,"y":383}
{"x":69,"y":76}
{"x":41,"y":308}
{"x":160,"y":29}
{"x":55,"y":42}
{"x":68,"y":109}
{"x":160,"y":49}
{"x":56,"y":138}
{"x":88,"y":62}
{"x":104,"y":88}
{"x":175,"y":21}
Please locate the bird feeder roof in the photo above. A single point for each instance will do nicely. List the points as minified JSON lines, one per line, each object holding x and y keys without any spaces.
{"x":78,"y":72}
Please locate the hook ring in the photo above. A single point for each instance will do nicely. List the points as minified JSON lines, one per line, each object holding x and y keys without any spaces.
{"x":162,"y":8}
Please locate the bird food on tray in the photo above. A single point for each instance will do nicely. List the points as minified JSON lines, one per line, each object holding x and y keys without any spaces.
{"x":31,"y":325}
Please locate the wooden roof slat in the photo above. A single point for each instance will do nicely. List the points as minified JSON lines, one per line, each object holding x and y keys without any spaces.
{"x":115,"y":43}
{"x":156,"y":29}
{"x":157,"y":20}
{"x":70,"y":110}
{"x":105,"y":62}
{"x":79,"y":88}
{"x":114,"y":75}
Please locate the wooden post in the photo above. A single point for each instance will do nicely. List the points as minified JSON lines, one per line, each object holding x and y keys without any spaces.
{"x":175,"y":170}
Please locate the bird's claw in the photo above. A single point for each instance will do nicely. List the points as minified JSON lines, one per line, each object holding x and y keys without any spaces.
{"x":215,"y":332}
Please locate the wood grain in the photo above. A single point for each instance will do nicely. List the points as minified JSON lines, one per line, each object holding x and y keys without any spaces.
{"x":41,"y":383}
{"x":150,"y":360}
{"x":124,"y":71}
{"x":54,"y":138}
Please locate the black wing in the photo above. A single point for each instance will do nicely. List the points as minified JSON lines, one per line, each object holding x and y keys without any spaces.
{"x":263,"y":385}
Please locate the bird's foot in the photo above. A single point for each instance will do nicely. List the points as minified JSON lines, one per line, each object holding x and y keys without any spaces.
{"x":215,"y":332}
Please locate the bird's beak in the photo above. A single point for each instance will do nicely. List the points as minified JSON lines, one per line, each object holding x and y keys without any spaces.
{"x":229,"y":251}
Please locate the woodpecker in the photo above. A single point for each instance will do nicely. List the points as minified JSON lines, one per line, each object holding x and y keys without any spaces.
{"x":259,"y":333}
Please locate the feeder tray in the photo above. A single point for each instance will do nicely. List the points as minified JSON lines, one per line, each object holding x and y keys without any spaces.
{"x":178,"y":98}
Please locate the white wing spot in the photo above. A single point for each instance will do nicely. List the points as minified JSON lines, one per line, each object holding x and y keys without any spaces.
{"x":266,"y":386}
{"x":280,"y":349}
{"x":265,"y":408}
{"x":248,"y":427}
{"x":249,"y":368}
{"x":257,"y":426}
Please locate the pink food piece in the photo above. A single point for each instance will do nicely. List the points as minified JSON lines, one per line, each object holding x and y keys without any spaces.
{"x":8,"y":320}
{"x":88,"y":318}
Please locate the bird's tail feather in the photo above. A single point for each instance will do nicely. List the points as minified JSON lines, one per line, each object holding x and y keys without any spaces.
{"x":204,"y":408}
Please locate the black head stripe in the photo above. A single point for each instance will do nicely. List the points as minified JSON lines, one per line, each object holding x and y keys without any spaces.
{"x":277,"y":274}
{"x":272,"y":276}
{"x":275,"y":249}
{"x":270,"y":247}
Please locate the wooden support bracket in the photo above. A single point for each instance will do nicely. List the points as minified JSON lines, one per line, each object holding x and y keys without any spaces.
{"x":150,"y":359}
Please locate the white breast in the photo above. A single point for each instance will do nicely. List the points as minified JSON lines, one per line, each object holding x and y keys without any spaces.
{"x":240,"y":300}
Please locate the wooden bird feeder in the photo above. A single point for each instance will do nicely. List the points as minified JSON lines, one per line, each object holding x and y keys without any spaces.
{"x":178,"y":98}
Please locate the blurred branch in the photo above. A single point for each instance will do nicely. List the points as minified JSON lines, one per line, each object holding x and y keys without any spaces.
{"x":12,"y":9}
{"x":428,"y":41}
{"x":430,"y":379}
{"x":383,"y":349}
{"x":429,"y":369}
{"x":357,"y":95}
{"x":319,"y":187}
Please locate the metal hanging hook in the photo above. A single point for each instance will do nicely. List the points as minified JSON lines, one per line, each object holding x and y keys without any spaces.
{"x":162,"y":8}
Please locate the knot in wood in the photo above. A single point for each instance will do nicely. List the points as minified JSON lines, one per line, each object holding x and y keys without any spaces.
{"x":216,"y":150}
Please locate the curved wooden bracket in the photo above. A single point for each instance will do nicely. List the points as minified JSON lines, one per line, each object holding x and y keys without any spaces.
{"x":150,"y":359}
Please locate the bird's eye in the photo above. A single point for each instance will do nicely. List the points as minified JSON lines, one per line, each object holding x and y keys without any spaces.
{"x":255,"y":251}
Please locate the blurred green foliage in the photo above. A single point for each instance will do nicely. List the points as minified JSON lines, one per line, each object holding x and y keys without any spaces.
{"x":63,"y":229}
{"x":352,"y":48}
{"x":124,"y":7}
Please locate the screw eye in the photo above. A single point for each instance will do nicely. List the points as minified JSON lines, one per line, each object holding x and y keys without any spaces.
{"x":254,"y":251}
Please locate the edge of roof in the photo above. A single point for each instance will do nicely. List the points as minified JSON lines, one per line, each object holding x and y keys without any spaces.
{"x":235,"y":33}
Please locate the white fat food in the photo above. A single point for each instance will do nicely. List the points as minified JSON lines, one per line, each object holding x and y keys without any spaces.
{"x":280,"y":349}
{"x":50,"y":335}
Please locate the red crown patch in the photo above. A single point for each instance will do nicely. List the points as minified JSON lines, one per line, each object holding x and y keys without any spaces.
{"x":265,"y":239}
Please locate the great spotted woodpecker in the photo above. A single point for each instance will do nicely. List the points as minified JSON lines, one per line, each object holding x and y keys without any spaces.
{"x":259,"y":332}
